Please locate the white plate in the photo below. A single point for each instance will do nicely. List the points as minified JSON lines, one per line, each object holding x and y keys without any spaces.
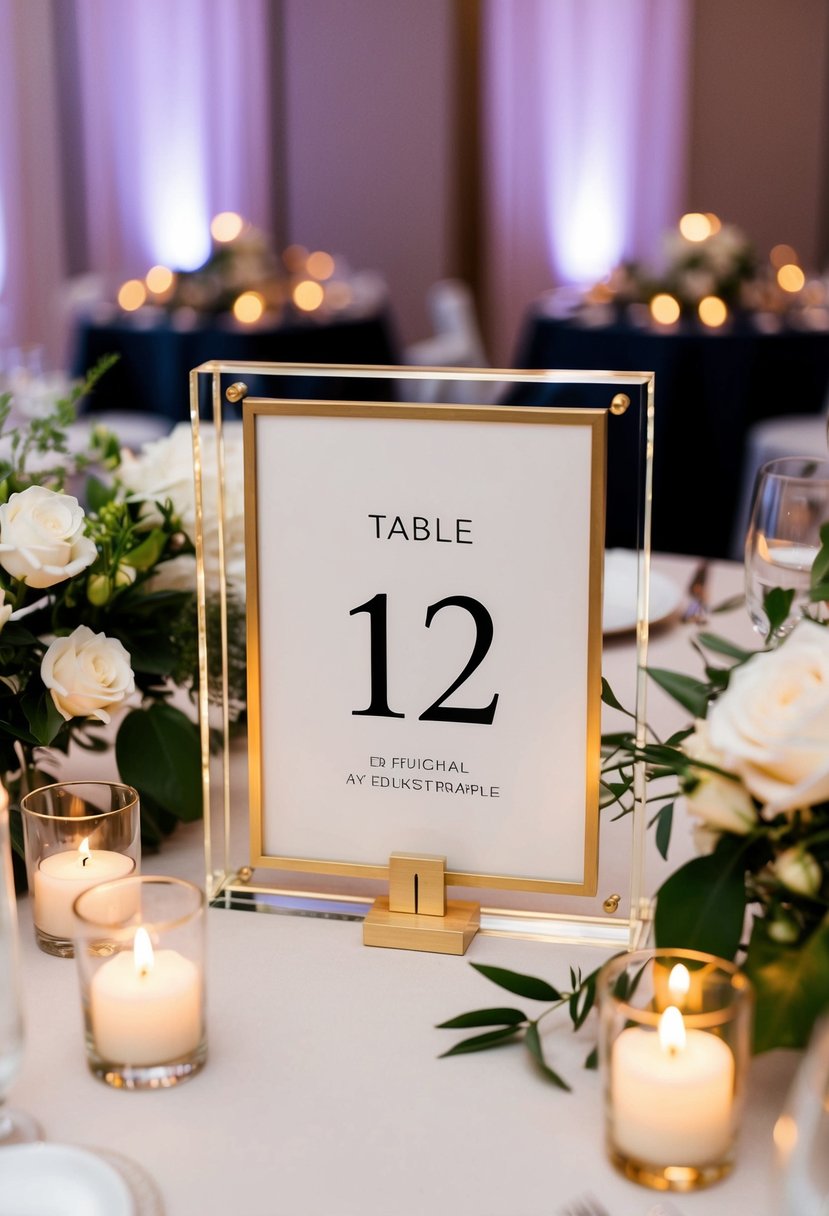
{"x":58,"y":1180}
{"x":619,"y":609}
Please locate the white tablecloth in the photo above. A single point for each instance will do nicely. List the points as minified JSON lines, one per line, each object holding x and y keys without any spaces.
{"x":323,"y":1094}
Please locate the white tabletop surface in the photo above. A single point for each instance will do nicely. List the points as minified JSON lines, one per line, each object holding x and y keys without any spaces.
{"x":323,"y":1094}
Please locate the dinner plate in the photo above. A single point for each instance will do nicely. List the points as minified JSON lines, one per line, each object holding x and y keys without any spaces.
{"x":46,"y":1179}
{"x":619,"y":608}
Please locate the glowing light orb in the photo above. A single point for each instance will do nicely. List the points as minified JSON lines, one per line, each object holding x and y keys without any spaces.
{"x":791,"y":277}
{"x":307,"y":295}
{"x":695,"y":226}
{"x":226,"y":226}
{"x":132,"y":295}
{"x":159,"y":280}
{"x":249,"y":307}
{"x":664,"y":309}
{"x":712,"y":311}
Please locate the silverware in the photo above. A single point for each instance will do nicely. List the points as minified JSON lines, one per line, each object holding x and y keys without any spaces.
{"x":696,"y":610}
{"x":584,"y":1205}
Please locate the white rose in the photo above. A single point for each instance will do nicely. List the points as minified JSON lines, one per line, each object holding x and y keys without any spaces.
{"x":720,"y":804}
{"x":42,"y":540}
{"x":799,"y":871}
{"x":5,"y":609}
{"x":164,"y":470}
{"x":87,"y":673}
{"x":772,"y":723}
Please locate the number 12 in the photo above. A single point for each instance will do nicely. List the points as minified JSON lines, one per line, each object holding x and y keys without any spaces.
{"x":378,"y":707}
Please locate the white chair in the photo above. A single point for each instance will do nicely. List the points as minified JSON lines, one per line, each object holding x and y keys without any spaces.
{"x":457,"y":342}
{"x":792,"y":435}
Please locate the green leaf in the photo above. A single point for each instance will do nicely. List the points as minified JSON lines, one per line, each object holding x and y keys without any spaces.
{"x":43,"y":716}
{"x":609,"y":698}
{"x":521,"y":985}
{"x":730,"y":605}
{"x":98,"y":493}
{"x":592,"y":1060}
{"x":791,"y":984}
{"x":702,"y":905}
{"x":582,"y":1001}
{"x":819,"y":592}
{"x":711,"y":641}
{"x":533,"y":1041}
{"x":663,"y":819}
{"x":690,"y":693}
{"x":482,"y":1042}
{"x":158,"y":751}
{"x":484,"y":1017}
{"x":777,"y":604}
{"x":820,"y":566}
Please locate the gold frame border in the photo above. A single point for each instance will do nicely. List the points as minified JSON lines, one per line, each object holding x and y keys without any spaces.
{"x":595,"y":421}
{"x":225,"y":879}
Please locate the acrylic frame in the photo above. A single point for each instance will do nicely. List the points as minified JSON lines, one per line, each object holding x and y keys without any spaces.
{"x":231,"y":880}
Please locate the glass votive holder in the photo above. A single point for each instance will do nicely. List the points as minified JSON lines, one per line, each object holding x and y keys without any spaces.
{"x":139,"y":946}
{"x":674,"y":1047}
{"x":76,"y":834}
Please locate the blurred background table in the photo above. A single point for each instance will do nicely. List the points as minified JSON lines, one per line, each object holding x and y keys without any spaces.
{"x":711,"y":387}
{"x":157,"y":355}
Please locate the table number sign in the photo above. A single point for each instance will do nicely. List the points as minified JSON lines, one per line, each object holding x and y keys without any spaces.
{"x":424,"y":639}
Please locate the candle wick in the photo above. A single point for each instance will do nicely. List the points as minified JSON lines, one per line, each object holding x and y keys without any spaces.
{"x":144,"y":971}
{"x":84,"y":860}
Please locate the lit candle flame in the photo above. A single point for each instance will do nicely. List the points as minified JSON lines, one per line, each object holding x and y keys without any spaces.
{"x":142,"y":950}
{"x":83,"y":850}
{"x":679,"y":982}
{"x":671,"y":1031}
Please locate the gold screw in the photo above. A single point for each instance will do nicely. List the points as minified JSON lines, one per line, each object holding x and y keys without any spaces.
{"x":245,"y":874}
{"x":620,"y":403}
{"x":611,"y":904}
{"x":237,"y":391}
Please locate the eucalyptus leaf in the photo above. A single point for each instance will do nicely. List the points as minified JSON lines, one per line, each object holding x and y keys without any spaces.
{"x":820,"y":566}
{"x":482,"y":1042}
{"x":791,"y":984}
{"x":777,"y":604}
{"x":610,"y":698}
{"x":533,"y":1041}
{"x":729,"y":605}
{"x":712,"y":641}
{"x":690,"y":693}
{"x":663,"y":819}
{"x":484,"y":1017}
{"x":583,"y":1000}
{"x":521,"y":985}
{"x":701,"y":906}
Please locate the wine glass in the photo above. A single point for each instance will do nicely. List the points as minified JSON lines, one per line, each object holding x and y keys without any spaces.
{"x":16,"y":1127}
{"x":801,"y":1168}
{"x":791,"y":502}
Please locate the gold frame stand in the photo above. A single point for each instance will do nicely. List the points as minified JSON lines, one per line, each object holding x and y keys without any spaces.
{"x":416,"y":915}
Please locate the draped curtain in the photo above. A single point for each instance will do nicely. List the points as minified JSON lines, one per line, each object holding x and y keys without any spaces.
{"x":31,"y":233}
{"x":166,"y":107}
{"x":585,"y":132}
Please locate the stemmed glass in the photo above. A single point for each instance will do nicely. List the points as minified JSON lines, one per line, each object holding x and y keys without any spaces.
{"x":16,"y":1127}
{"x":791,"y":503}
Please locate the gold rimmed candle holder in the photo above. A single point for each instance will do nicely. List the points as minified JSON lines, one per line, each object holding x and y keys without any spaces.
{"x":675,"y":1041}
{"x":76,"y":834}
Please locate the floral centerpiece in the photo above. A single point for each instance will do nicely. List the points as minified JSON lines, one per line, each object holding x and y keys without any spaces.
{"x":90,"y":634}
{"x":753,"y":767}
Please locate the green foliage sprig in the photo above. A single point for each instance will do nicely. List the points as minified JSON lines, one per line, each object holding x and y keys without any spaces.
{"x":704,"y":904}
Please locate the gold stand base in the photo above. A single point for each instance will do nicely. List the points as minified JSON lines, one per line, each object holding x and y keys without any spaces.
{"x":670,"y":1177}
{"x":449,"y":934}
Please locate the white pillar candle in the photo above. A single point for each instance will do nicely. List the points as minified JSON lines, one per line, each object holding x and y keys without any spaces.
{"x":672,"y":1102}
{"x":61,"y":877}
{"x":145,"y":1006}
